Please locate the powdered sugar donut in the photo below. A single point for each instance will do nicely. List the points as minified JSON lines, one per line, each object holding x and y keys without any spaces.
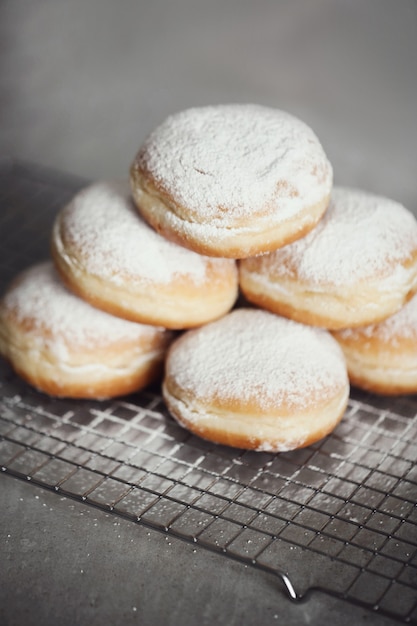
{"x":383,"y":357}
{"x":232,"y":180}
{"x":63,"y":346}
{"x":258,"y":381}
{"x":109,"y":256}
{"x":358,"y":266}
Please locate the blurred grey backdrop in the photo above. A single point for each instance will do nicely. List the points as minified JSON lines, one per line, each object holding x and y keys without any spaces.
{"x":83,"y":81}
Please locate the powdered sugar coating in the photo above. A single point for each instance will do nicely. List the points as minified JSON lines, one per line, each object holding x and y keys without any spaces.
{"x":251,"y":354}
{"x":360,"y":236}
{"x":227,"y":162}
{"x":41,"y":300}
{"x":402,"y":325}
{"x":113,"y":241}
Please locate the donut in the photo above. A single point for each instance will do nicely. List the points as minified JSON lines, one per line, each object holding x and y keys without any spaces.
{"x":232,"y":180}
{"x":382,"y":358}
{"x":256,"y":381}
{"x":63,"y":346}
{"x":108,"y":255}
{"x":357,"y":267}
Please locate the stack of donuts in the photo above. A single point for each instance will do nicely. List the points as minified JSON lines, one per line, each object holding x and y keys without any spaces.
{"x":231,"y":269}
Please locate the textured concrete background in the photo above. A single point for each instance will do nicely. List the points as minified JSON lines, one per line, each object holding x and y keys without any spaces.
{"x":83,"y":81}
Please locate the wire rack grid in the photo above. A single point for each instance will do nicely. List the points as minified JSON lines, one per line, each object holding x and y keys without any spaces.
{"x":339,"y":516}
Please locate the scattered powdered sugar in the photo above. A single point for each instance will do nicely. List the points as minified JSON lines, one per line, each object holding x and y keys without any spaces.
{"x":251,"y":353}
{"x":401,"y":325}
{"x":113,"y":240}
{"x":239,"y":159}
{"x":361,"y":235}
{"x":39,"y":298}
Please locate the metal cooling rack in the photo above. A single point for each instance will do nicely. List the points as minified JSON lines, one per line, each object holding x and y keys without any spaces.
{"x":339,"y":516}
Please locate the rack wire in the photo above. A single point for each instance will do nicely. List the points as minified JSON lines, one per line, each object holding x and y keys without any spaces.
{"x":339,"y":516}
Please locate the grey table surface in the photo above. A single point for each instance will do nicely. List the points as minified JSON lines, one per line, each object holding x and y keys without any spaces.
{"x":65,"y":561}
